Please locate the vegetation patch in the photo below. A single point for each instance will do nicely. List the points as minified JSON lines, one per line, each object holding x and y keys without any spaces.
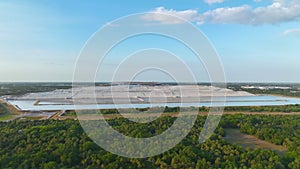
{"x":5,"y":114}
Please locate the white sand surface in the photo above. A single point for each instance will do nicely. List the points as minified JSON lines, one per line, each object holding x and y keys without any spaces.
{"x":134,"y":93}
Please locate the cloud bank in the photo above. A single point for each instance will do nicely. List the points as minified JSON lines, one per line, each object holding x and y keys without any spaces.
{"x":213,"y":1}
{"x":279,"y":11}
{"x":292,"y":31}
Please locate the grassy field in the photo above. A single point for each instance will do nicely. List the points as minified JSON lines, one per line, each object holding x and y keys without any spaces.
{"x":8,"y":112}
{"x":234,"y":136}
{"x":6,"y":117}
{"x":4,"y":113}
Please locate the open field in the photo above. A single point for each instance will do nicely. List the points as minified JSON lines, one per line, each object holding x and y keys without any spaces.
{"x":234,"y":136}
{"x":122,"y":94}
{"x":141,"y":96}
{"x":4,"y":113}
{"x":7,"y":111}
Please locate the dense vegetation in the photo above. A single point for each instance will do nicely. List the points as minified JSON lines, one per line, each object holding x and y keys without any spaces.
{"x":23,"y":88}
{"x":294,"y":88}
{"x":282,"y":92}
{"x":63,"y":144}
{"x":281,"y":108}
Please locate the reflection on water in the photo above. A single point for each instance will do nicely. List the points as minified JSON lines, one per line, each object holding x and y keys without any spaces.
{"x":230,"y":101}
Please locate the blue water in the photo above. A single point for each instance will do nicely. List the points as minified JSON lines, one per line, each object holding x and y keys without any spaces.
{"x":28,"y":105}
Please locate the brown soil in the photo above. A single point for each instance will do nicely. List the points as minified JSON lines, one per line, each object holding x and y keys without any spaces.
{"x":234,"y":136}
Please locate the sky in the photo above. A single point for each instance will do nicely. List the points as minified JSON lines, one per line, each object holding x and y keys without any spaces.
{"x":256,"y":40}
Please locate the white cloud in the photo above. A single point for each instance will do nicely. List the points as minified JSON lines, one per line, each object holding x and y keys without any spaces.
{"x":213,"y":1}
{"x":241,"y":14}
{"x":164,"y":16}
{"x":292,"y":31}
{"x":278,"y":12}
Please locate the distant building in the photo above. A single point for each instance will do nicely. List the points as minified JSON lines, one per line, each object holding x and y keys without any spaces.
{"x":265,"y":87}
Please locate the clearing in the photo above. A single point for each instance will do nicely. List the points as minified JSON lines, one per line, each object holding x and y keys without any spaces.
{"x":234,"y":136}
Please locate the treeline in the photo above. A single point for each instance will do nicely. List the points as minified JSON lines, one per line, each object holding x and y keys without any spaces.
{"x":293,"y":91}
{"x":283,"y":92}
{"x":23,"y":88}
{"x":63,"y":144}
{"x":281,"y":108}
{"x":148,"y":110}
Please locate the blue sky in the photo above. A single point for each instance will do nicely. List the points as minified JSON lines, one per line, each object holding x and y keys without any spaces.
{"x":257,"y":40}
